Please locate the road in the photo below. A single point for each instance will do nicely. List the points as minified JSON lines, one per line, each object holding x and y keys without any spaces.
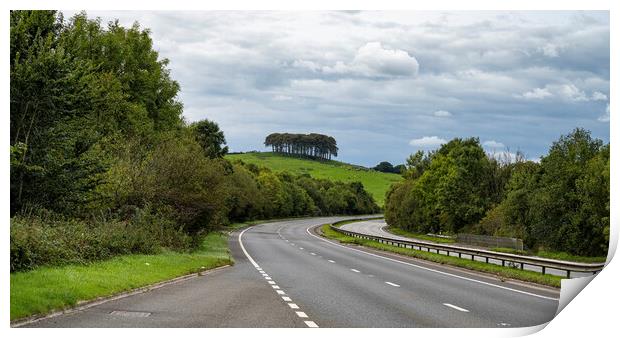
{"x":287,"y":276}
{"x":376,"y":227}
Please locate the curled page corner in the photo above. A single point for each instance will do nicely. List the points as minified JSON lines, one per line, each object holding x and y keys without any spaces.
{"x":570,"y":289}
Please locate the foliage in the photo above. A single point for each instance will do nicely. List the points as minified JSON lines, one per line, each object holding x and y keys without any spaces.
{"x":311,"y":145}
{"x":210,"y":138}
{"x":41,"y":240}
{"x":376,"y":183}
{"x":387,"y":167}
{"x":559,"y":204}
{"x":98,"y":144}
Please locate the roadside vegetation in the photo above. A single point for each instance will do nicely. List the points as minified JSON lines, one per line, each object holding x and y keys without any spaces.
{"x":59,"y":287}
{"x":558,"y":206}
{"x":405,"y":233}
{"x":104,"y":165}
{"x":501,"y":272}
{"x":376,"y":183}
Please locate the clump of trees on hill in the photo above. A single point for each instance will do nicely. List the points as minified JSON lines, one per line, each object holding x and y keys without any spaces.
{"x":303,"y":145}
{"x":103,"y":164}
{"x":559,"y":204}
{"x":387,"y":167}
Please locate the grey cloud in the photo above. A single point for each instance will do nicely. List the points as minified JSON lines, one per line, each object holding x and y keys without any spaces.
{"x":375,"y":80}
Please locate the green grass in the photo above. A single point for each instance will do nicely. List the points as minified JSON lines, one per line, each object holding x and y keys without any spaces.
{"x":405,"y":233}
{"x":53,"y":288}
{"x":501,"y":272}
{"x":563,"y":256}
{"x":376,"y":183}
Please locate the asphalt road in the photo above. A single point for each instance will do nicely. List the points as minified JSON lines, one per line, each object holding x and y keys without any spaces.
{"x":287,"y":276}
{"x":376,"y":227}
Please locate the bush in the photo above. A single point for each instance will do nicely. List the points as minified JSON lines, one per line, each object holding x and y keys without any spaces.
{"x":54,"y":240}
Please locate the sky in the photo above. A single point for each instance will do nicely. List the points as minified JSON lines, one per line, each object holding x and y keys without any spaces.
{"x":386,"y":84}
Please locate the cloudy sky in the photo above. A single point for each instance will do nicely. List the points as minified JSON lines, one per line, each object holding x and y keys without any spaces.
{"x":386,"y":84}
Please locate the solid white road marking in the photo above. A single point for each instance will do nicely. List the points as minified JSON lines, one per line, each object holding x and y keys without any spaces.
{"x":456,"y":307}
{"x":392,"y":284}
{"x":355,"y":270}
{"x":433,"y":270}
{"x":309,"y":323}
{"x":246,"y":252}
{"x":329,"y":260}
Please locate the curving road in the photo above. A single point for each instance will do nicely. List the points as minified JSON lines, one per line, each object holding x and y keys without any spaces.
{"x":376,"y":227}
{"x":287,"y":276}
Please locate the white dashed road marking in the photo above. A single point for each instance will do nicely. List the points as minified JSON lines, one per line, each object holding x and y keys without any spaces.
{"x":429,"y":269}
{"x":285,"y":298}
{"x":329,"y":260}
{"x":456,"y":307}
{"x":355,"y":270}
{"x":392,"y":284}
{"x":311,"y":323}
{"x":313,"y":254}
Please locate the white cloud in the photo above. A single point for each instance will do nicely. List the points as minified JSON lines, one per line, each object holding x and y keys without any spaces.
{"x":598,"y":96}
{"x":493,"y":144}
{"x":551,"y":50}
{"x":281,"y":97}
{"x":442,"y":113}
{"x":373,"y":60}
{"x":427,"y":142}
{"x":605,"y":117}
{"x":537,"y":93}
{"x":572,"y":93}
{"x":566,"y":92}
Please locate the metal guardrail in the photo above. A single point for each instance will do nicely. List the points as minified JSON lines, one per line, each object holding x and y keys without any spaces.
{"x":543,"y":263}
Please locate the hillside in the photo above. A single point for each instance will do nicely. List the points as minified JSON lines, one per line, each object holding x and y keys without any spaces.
{"x":377,"y":183}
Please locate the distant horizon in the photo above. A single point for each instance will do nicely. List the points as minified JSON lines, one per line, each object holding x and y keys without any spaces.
{"x":386,"y":84}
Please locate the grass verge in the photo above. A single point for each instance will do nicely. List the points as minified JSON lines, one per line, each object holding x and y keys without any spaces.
{"x":55,"y":288}
{"x":405,"y":233}
{"x":563,"y":256}
{"x":501,"y":272}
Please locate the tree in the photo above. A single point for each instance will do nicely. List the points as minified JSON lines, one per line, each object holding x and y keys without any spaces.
{"x":310,"y":145}
{"x":210,"y":138}
{"x":385,"y":167}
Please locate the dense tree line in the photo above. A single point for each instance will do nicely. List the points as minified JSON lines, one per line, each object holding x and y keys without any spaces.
{"x":560,"y":204}
{"x":102,"y":162}
{"x":307,"y":145}
{"x":387,"y":167}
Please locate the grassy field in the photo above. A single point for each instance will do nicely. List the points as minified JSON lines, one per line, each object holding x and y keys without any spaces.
{"x":377,"y":183}
{"x":501,"y":272}
{"x":53,"y":288}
